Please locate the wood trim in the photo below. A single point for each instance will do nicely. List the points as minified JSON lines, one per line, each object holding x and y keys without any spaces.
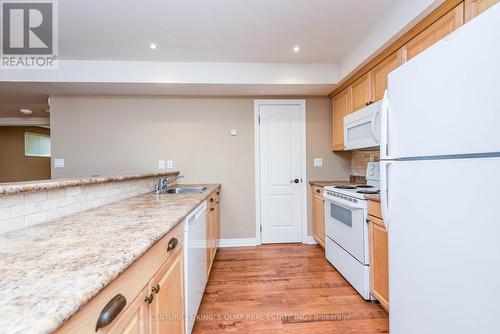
{"x":435,"y":15}
{"x":374,"y":209}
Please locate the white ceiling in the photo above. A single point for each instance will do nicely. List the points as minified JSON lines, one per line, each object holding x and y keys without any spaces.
{"x":208,"y":47}
{"x":216,"y":30}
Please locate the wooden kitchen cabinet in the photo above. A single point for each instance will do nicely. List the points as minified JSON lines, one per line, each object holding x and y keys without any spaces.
{"x":379,"y":255}
{"x":146,"y":310}
{"x":379,"y":75}
{"x":213,"y":228}
{"x":167,"y":289}
{"x":435,"y":32}
{"x":318,"y":215}
{"x":361,"y":93}
{"x":475,"y":7}
{"x":341,"y":106}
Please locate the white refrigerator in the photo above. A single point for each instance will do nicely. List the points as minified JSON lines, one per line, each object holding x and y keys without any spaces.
{"x":440,"y":184}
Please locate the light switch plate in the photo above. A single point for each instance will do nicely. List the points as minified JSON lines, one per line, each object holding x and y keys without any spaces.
{"x":318,"y":162}
{"x":161,"y":164}
{"x":170,"y":164}
{"x":233,"y":132}
{"x":58,"y":163}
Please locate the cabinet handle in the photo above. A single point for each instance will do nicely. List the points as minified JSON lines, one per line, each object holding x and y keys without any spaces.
{"x":172,"y":244}
{"x":212,"y":209}
{"x":318,"y":191}
{"x":217,"y":202}
{"x":218,"y":192}
{"x":368,"y":220}
{"x":156,"y":288}
{"x":149,"y":299}
{"x":110,"y":311}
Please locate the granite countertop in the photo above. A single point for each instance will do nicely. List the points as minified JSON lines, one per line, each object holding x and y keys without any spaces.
{"x":329,"y":183}
{"x":49,"y":271}
{"x":44,"y":185}
{"x":375,"y":197}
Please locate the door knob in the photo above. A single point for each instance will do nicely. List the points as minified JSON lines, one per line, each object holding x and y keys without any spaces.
{"x":295,"y":181}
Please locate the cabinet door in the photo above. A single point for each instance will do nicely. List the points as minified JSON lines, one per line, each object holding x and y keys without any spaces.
{"x":379,"y":75}
{"x":435,"y":32}
{"x":341,"y":106}
{"x":318,"y":218}
{"x":475,"y":7}
{"x":379,"y":264}
{"x":167,"y":290}
{"x":134,"y":320}
{"x":361,"y":92}
{"x":217,"y":223}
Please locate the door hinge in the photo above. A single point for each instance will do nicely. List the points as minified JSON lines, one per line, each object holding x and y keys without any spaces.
{"x":259,"y":119}
{"x":260,"y":228}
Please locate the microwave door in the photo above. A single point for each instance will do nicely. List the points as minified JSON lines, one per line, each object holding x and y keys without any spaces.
{"x":360,"y":133}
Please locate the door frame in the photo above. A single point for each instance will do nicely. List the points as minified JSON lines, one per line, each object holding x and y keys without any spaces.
{"x":303,"y":188}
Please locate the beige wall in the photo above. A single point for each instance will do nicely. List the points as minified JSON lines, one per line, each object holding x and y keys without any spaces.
{"x":14,"y":165}
{"x":120,"y":135}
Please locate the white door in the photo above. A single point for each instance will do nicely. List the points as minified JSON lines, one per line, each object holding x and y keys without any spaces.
{"x":281,"y":174}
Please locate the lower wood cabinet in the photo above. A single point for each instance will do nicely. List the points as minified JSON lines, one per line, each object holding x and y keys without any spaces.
{"x":318,"y":215}
{"x":167,"y":308}
{"x":379,"y":255}
{"x":213,"y":228}
{"x":134,"y":320}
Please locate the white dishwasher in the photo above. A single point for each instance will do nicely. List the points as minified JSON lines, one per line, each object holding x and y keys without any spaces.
{"x":195,"y":263}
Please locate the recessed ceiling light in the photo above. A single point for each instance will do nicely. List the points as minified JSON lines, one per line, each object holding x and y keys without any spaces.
{"x":153,"y":46}
{"x":296,"y":49}
{"x":26,"y":111}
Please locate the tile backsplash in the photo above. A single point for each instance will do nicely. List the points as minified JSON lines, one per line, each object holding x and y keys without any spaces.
{"x":359,"y":160}
{"x":22,"y":210}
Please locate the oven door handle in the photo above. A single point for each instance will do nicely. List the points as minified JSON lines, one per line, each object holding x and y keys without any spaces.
{"x":345,"y":205}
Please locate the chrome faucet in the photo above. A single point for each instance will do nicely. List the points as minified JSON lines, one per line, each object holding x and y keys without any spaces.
{"x":164,"y":182}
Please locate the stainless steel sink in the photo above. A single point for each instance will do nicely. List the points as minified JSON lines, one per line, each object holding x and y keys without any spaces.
{"x":184,"y":190}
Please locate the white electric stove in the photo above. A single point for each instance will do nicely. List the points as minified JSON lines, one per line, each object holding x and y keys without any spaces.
{"x":346,"y":229}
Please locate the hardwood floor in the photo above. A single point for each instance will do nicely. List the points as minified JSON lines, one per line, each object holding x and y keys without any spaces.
{"x":283,"y":289}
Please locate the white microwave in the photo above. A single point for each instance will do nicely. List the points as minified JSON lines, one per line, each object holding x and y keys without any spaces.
{"x":362,"y":128}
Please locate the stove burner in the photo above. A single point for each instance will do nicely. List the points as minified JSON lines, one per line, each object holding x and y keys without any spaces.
{"x":363,"y":186}
{"x":345,"y":187}
{"x":368,"y":192}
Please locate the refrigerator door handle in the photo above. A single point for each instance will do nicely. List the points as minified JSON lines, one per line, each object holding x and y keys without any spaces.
{"x":384,"y":110}
{"x":384,"y":194}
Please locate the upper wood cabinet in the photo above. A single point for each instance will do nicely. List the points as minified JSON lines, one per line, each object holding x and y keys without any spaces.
{"x":361,"y":93}
{"x":341,"y":106}
{"x":475,"y":7}
{"x":167,"y":289}
{"x":379,"y":75}
{"x":435,"y":32}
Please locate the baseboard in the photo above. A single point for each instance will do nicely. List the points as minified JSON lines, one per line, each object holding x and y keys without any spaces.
{"x":309,"y":240}
{"x":240,"y":242}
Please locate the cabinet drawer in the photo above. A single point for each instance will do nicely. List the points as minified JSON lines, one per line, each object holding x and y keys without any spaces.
{"x":374,"y":209}
{"x":130,"y":284}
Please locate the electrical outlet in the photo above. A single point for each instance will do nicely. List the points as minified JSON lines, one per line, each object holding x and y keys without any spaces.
{"x":170,"y":164}
{"x":161,"y":164}
{"x":58,"y":163}
{"x":233,"y":132}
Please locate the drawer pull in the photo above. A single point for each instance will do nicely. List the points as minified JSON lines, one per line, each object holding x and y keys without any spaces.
{"x":110,"y":311}
{"x":218,"y":192}
{"x":212,"y":209}
{"x":156,"y":288}
{"x":211,"y":200}
{"x":149,"y":299}
{"x":172,"y":244}
{"x":318,"y":191}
